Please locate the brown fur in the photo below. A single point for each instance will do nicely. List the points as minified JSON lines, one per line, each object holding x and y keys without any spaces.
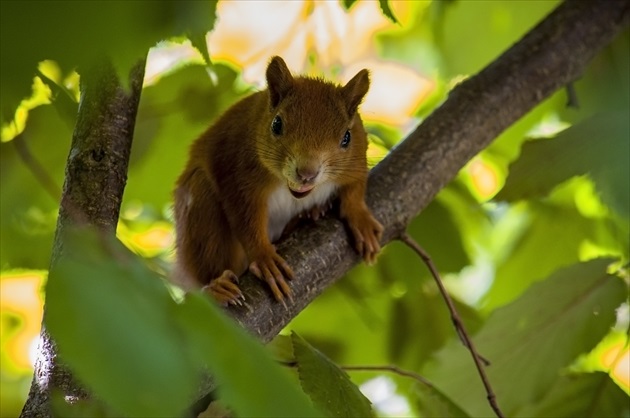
{"x":221,"y":198}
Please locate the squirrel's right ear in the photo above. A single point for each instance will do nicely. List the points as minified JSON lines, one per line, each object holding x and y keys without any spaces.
{"x":354,"y":91}
{"x":279,"y":80}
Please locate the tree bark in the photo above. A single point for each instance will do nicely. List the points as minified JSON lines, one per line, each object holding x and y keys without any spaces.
{"x":96,"y":174}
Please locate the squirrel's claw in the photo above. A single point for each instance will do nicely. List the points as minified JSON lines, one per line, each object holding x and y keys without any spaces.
{"x":367,"y":233}
{"x":224,"y":289}
{"x":273,"y":270}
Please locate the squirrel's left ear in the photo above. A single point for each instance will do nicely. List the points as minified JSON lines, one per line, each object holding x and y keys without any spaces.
{"x":354,"y":91}
{"x":279,"y":80}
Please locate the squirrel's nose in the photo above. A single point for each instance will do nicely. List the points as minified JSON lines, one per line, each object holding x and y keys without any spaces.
{"x":307,"y":174}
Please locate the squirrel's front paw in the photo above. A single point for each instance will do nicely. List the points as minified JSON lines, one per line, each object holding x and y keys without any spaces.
{"x":272,"y":268}
{"x":367,"y":233}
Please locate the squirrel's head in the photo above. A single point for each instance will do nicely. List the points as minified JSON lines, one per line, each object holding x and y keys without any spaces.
{"x":312,"y":132}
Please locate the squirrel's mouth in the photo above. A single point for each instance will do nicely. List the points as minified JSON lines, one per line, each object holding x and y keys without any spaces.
{"x":299,"y":195}
{"x":301,"y":191}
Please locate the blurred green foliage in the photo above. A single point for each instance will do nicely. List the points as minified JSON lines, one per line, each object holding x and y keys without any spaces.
{"x":526,"y":265}
{"x":33,"y":31}
{"x":327,"y":385}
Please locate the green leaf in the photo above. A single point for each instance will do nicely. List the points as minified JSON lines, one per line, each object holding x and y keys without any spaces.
{"x":555,"y":230}
{"x":413,"y":346}
{"x":598,"y":146}
{"x":329,"y":387}
{"x":580,"y":395}
{"x":433,"y":403}
{"x":440,"y":236}
{"x":27,"y":220}
{"x":387,"y":11}
{"x":92,"y":408}
{"x":249,"y":381}
{"x":532,"y":339}
{"x":604,"y":84}
{"x":281,"y":348}
{"x":66,"y":105}
{"x":85,"y":31}
{"x":347,"y":4}
{"x":181,"y":105}
{"x":498,"y":25}
{"x":199,"y":20}
{"x":113,"y":322}
{"x":198,"y":40}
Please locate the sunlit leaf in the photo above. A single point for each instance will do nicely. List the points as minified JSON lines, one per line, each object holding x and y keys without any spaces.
{"x":581,"y":395}
{"x":21,"y":306}
{"x":328,"y":386}
{"x":66,"y":106}
{"x":547,"y":236}
{"x":114,"y":323}
{"x":412,"y":89}
{"x":250,"y":382}
{"x":530,"y":341}
{"x":598,"y":146}
{"x":282,"y":348}
{"x":248,"y":33}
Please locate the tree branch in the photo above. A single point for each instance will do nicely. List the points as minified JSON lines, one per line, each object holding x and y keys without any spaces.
{"x":96,"y":173}
{"x":550,"y":56}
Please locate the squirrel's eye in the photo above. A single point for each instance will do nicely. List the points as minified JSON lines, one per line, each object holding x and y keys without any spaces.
{"x":346,"y":140}
{"x":276,"y":125}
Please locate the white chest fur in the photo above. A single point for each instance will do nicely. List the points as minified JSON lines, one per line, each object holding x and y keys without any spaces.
{"x":282,"y":206}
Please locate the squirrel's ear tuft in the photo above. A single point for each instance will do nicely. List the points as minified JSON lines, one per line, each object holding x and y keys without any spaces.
{"x":354,"y":91}
{"x":279,"y":80}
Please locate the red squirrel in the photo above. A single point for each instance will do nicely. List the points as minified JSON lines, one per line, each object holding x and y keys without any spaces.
{"x":276,"y":154}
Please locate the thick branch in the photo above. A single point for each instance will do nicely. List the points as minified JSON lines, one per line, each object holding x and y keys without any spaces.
{"x":96,"y":173}
{"x":549,"y":57}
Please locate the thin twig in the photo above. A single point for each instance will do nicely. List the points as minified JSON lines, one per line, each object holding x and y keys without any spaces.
{"x":46,"y":180}
{"x":392,"y":369}
{"x":459,"y":325}
{"x":35,"y":167}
